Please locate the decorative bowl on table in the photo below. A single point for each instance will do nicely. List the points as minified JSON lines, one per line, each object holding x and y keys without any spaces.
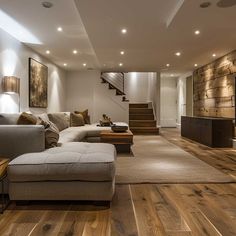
{"x":119,"y":128}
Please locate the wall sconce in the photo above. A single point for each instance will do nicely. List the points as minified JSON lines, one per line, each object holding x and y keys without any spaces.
{"x":11,"y":85}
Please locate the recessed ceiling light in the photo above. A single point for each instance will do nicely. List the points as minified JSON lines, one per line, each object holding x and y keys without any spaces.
{"x":48,"y":52}
{"x":195,"y":65}
{"x":84,"y":64}
{"x":47,"y":4}
{"x":197,"y":32}
{"x":65,"y":64}
{"x":214,"y":55}
{"x":205,"y":4}
{"x":121,"y":64}
{"x":172,"y":75}
{"x":226,"y":3}
{"x":59,"y":29}
{"x":124,"y":31}
{"x":122,"y":52}
{"x":178,"y":54}
{"x":167,"y":65}
{"x":75,"y":51}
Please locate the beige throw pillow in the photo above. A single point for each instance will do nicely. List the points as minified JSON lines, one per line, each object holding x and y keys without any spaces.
{"x":76,"y":120}
{"x":60,"y":119}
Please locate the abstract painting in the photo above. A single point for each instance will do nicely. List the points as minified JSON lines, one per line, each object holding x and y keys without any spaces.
{"x":38,"y":84}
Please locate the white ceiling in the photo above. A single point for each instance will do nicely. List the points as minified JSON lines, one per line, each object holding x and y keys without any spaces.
{"x":156,"y":30}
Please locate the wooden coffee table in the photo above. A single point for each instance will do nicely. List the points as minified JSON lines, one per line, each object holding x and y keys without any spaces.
{"x":121,"y":140}
{"x":3,"y":174}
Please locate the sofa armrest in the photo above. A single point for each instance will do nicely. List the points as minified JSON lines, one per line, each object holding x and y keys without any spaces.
{"x":19,"y":139}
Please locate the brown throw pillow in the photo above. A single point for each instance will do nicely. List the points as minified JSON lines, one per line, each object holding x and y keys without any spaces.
{"x":85,"y":115}
{"x":27,"y":119}
{"x":76,"y":120}
{"x":51,"y":133}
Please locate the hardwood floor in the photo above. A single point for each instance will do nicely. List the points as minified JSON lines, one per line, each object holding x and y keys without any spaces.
{"x":142,"y":209}
{"x":223,"y":159}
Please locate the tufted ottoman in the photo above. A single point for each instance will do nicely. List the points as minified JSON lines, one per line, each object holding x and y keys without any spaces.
{"x":74,"y":171}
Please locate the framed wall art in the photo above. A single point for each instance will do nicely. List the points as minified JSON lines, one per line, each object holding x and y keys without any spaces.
{"x":38,"y":84}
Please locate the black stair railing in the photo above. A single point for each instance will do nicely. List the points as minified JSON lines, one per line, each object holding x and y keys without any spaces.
{"x":115,"y":79}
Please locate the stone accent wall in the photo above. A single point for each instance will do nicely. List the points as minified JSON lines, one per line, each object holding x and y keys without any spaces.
{"x":214,"y":88}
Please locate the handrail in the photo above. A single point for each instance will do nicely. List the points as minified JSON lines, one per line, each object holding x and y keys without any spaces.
{"x":116,"y":79}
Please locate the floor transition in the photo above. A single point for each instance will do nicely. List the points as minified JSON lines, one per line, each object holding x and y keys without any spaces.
{"x":141,"y":209}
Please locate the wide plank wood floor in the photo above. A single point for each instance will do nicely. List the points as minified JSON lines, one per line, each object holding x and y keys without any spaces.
{"x":142,"y":209}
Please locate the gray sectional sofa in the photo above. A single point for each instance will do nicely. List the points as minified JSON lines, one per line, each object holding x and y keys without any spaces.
{"x":75,"y":170}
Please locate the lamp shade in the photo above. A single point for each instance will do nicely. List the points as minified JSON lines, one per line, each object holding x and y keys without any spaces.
{"x":11,"y":84}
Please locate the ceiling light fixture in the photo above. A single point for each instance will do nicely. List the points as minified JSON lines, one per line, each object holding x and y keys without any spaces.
{"x":197,"y":32}
{"x":178,"y":54}
{"x":124,"y":31}
{"x":121,"y":64}
{"x":48,"y":52}
{"x":84,"y":64}
{"x":47,"y":4}
{"x":205,"y":4}
{"x":75,"y":51}
{"x":226,"y":3}
{"x":214,"y":55}
{"x":195,"y":65}
{"x":59,"y":29}
{"x":172,"y":75}
{"x":65,"y":64}
{"x":122,"y":52}
{"x":167,"y":65}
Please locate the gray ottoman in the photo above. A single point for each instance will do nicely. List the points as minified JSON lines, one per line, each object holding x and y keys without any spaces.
{"x":74,"y":171}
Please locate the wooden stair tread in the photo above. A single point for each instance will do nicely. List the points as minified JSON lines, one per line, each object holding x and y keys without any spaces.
{"x":149,"y":128}
{"x":142,"y":120}
{"x":140,"y":111}
{"x":138,"y":105}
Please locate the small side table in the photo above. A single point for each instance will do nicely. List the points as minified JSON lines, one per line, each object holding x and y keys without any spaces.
{"x":3,"y":174}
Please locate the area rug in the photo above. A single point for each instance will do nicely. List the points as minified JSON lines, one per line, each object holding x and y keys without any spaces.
{"x":156,"y":160}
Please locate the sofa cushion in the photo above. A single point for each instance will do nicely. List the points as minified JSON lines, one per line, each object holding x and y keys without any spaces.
{"x":72,"y":161}
{"x":72,"y":134}
{"x":9,"y":118}
{"x":60,"y":119}
{"x":76,"y":120}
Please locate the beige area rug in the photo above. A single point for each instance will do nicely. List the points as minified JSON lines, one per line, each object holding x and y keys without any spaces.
{"x":155,"y":160}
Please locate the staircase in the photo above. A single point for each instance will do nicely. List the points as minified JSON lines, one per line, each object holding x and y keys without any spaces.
{"x":115,"y":81}
{"x":141,"y":119}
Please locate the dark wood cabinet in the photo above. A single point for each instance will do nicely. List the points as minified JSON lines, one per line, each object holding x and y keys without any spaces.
{"x":213,"y":132}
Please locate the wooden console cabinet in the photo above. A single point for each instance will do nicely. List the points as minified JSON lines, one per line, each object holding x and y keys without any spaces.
{"x":213,"y":132}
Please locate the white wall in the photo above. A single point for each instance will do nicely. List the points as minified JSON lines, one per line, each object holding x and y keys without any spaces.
{"x":14,"y":58}
{"x":142,"y":87}
{"x":168,"y":102}
{"x":181,"y":97}
{"x":139,"y":86}
{"x":136,"y":86}
{"x":85,"y":91}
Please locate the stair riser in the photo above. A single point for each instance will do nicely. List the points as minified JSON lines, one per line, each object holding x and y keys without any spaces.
{"x":142,"y":123}
{"x":140,"y":105}
{"x":141,"y":117}
{"x":145,"y":132}
{"x":140,"y":111}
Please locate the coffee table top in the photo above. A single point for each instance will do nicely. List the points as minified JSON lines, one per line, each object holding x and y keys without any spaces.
{"x":115,"y":134}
